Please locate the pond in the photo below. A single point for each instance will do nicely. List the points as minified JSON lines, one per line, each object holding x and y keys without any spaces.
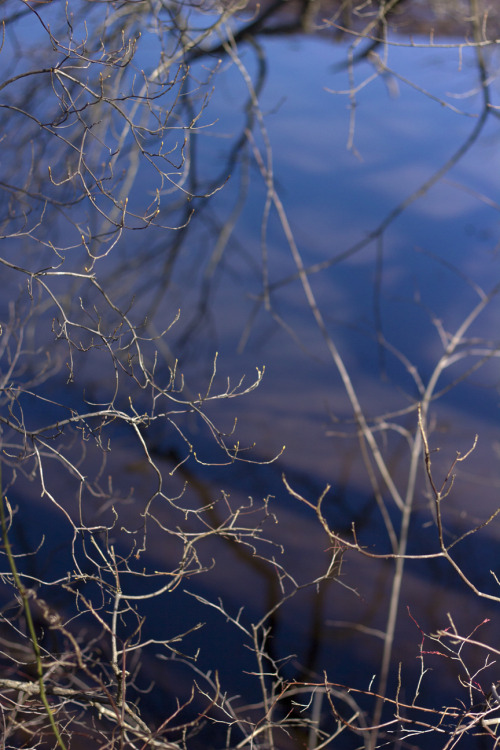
{"x":303,"y":198}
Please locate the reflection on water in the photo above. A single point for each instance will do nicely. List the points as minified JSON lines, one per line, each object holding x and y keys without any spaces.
{"x":349,"y":245}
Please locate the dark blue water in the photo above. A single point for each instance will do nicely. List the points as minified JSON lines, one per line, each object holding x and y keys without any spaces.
{"x":399,"y":230}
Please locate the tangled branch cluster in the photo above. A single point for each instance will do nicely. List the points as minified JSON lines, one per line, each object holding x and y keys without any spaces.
{"x":106,"y":528}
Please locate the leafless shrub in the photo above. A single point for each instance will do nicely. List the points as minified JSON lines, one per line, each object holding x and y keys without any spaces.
{"x":89,"y":112}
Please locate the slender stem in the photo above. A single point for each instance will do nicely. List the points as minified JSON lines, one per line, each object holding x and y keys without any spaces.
{"x":23,"y":593}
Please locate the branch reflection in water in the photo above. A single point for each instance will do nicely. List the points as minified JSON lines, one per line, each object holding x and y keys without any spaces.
{"x":308,"y":187}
